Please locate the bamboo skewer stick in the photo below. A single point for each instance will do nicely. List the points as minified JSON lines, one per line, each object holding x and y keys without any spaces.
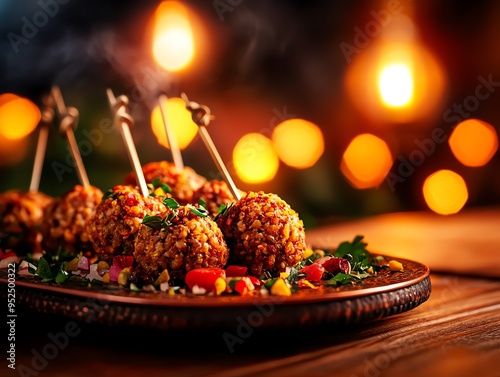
{"x":69,"y":120}
{"x":172,"y":140}
{"x":201,"y":116}
{"x":41,"y":147}
{"x":123,"y":121}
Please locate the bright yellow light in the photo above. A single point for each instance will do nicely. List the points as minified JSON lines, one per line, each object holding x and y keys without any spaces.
{"x":473,"y":142}
{"x":298,"y":142}
{"x":18,"y":116}
{"x":255,"y":159}
{"x":445,"y":192}
{"x":366,"y":161}
{"x":173,"y":45}
{"x":179,"y":118}
{"x":396,"y":85}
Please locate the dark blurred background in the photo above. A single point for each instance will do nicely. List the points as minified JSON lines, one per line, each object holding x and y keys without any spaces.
{"x":255,"y":61}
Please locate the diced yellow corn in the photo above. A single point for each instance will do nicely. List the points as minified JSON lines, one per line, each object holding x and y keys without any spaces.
{"x":284,"y":275}
{"x":105,"y":277}
{"x":309,"y":284}
{"x":307,"y":253}
{"x":220,"y":285}
{"x":163,"y":278}
{"x":395,"y":265}
{"x":159,"y":192}
{"x":280,"y":288}
{"x":72,"y":265}
{"x":124,"y":275}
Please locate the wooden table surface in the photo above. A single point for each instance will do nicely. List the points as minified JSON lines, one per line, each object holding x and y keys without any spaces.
{"x":456,"y":332}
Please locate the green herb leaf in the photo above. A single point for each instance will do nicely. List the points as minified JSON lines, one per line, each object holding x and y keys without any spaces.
{"x":222,"y":210}
{"x":342,"y":279}
{"x":202,"y":203}
{"x":43,"y":270}
{"x":108,"y":194}
{"x":154,"y":222}
{"x":166,"y":188}
{"x":199,"y":211}
{"x":171,"y":203}
{"x":355,"y":252}
{"x":156,"y":182}
{"x":62,"y":276}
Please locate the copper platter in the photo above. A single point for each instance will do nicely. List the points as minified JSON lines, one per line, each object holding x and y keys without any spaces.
{"x":386,"y":294}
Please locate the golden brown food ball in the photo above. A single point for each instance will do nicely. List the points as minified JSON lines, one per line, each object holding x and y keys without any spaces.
{"x":67,"y":219}
{"x":183,"y":183}
{"x":215,"y":194}
{"x":263,"y":233}
{"x":189,"y":241}
{"x":21,"y":217}
{"x":118,"y":218}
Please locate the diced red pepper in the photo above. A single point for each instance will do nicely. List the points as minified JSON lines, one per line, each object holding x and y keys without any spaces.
{"x":255,"y":281}
{"x":241,"y":287}
{"x":314,"y":271}
{"x":244,"y":286}
{"x":205,"y":278}
{"x":236,"y":271}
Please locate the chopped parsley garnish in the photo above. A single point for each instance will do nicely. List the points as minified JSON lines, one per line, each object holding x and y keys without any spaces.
{"x":154,"y":222}
{"x":199,"y":211}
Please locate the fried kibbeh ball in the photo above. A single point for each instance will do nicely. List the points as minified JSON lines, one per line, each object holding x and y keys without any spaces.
{"x":118,"y":218}
{"x":21,"y":218}
{"x":188,"y":241}
{"x":66,"y":220}
{"x":182,"y":183}
{"x":214,"y":194}
{"x":263,"y":233}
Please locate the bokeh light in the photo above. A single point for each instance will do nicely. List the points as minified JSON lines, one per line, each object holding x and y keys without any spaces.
{"x":366,"y":161}
{"x":173,"y":43}
{"x":179,"y":118}
{"x":396,"y":79}
{"x":473,"y":142}
{"x":18,"y":116}
{"x":255,"y":159}
{"x":396,"y":85}
{"x":12,"y":151}
{"x":445,"y":192}
{"x":298,"y":142}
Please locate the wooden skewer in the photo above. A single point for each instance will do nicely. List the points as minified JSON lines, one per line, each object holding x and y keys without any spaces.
{"x":201,"y":116}
{"x":172,"y":140}
{"x":41,"y":147}
{"x":69,"y":120}
{"x":123,"y":121}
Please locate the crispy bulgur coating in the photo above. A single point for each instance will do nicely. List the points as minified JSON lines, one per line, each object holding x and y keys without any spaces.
{"x":21,"y":218}
{"x":67,"y":219}
{"x":214,"y":193}
{"x":190,"y":241}
{"x":118,"y":218}
{"x":263,"y":233}
{"x":183,"y":183}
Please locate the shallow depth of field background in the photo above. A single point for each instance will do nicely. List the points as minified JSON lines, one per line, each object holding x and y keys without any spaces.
{"x":375,"y":90}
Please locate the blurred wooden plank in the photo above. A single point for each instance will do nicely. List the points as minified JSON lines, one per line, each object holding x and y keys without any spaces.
{"x":466,"y":243}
